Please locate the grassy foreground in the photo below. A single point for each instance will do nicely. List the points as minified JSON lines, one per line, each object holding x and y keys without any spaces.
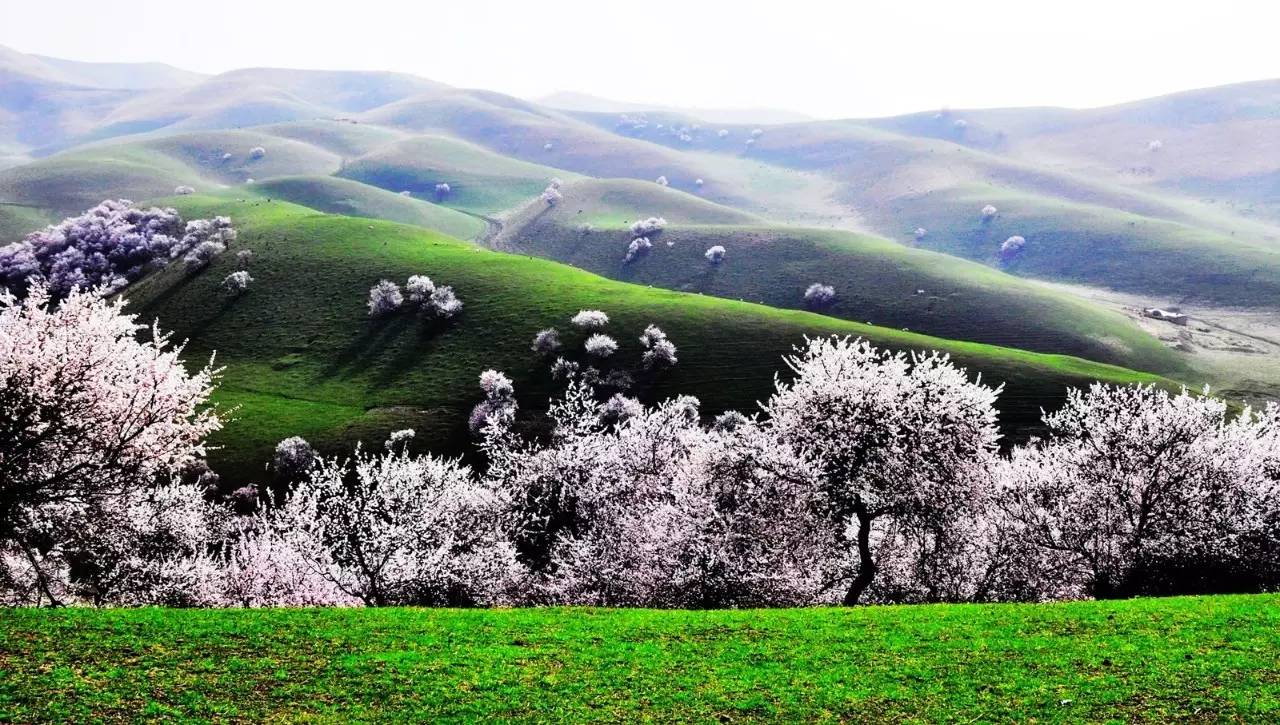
{"x":1195,"y":658}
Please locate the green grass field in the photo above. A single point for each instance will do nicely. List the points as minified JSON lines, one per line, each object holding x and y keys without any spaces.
{"x":303,"y":358}
{"x":1156,"y":660}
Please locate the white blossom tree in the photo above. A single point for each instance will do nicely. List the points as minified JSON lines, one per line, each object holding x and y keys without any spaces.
{"x":397,"y":529}
{"x":819,"y":296}
{"x":384,"y":298}
{"x":546,"y":342}
{"x":715,"y":254}
{"x":236,"y":283}
{"x":1134,"y":485}
{"x":659,"y":352}
{"x":590,"y":319}
{"x":897,"y":438}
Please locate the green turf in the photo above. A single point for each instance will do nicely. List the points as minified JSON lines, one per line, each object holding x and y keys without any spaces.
{"x":1154,"y":660}
{"x":303,"y":357}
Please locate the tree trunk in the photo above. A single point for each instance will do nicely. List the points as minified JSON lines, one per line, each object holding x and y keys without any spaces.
{"x":866,"y":566}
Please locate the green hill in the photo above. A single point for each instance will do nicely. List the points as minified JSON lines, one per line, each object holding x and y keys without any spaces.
{"x":351,"y":198}
{"x":480,"y":181}
{"x":303,"y":358}
{"x":875,"y":279}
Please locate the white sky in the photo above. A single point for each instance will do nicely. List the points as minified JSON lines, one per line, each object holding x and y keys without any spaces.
{"x":829,"y":59}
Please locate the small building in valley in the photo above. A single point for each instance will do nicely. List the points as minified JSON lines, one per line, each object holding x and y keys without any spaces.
{"x":1156,"y":313}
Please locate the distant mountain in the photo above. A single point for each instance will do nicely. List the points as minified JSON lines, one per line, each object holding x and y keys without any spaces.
{"x":583,"y":102}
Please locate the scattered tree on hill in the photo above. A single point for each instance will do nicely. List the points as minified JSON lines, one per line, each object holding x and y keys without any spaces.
{"x":294,"y":457}
{"x":419,"y":289}
{"x":399,"y":440}
{"x":1155,"y":145}
{"x":384,"y":298}
{"x":551,"y":195}
{"x":406,"y":193}
{"x":650,"y":227}
{"x":920,"y":233}
{"x":546,"y":342}
{"x":547,"y":146}
{"x":659,"y":352}
{"x":204,"y":240}
{"x":903,"y":439}
{"x":226,"y":156}
{"x":756,"y":132}
{"x":183,"y":190}
{"x":1011,"y":247}
{"x":443,"y":190}
{"x":257,"y":152}
{"x":499,"y":401}
{"x":243,"y":258}
{"x":819,"y":295}
{"x":590,"y":319}
{"x":600,"y":345}
{"x":715,"y":254}
{"x":988,"y":212}
{"x":722,"y":133}
{"x":236,"y":283}
{"x":662,"y":181}
{"x":960,"y":124}
{"x":697,"y":182}
{"x":637,"y":248}
{"x":444,"y":303}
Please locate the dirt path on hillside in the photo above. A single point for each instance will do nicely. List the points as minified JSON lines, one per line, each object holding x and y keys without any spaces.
{"x":1236,"y":350}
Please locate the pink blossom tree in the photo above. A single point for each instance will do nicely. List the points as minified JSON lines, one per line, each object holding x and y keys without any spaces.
{"x":92,"y":413}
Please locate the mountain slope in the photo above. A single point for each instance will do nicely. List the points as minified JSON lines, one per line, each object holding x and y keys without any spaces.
{"x":303,"y":357}
{"x":874,"y":279}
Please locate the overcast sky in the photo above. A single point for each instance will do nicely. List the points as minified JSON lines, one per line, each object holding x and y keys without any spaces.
{"x":825,"y":58}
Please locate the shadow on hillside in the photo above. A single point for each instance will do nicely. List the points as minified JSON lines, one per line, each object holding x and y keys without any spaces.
{"x":368,"y":345}
{"x":412,"y":351}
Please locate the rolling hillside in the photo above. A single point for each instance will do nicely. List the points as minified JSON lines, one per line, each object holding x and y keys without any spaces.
{"x":303,"y":358}
{"x":875,"y":280}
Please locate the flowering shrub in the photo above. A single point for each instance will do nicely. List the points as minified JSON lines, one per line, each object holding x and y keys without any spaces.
{"x":601,"y":346}
{"x":384,"y":298}
{"x":819,"y":295}
{"x":546,"y":341}
{"x":659,"y":352}
{"x":648,"y":227}
{"x":637,"y":248}
{"x":237,"y":283}
{"x":109,"y":247}
{"x":590,"y":319}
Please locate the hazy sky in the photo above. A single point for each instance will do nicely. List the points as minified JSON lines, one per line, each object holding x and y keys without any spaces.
{"x":827,"y":58}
